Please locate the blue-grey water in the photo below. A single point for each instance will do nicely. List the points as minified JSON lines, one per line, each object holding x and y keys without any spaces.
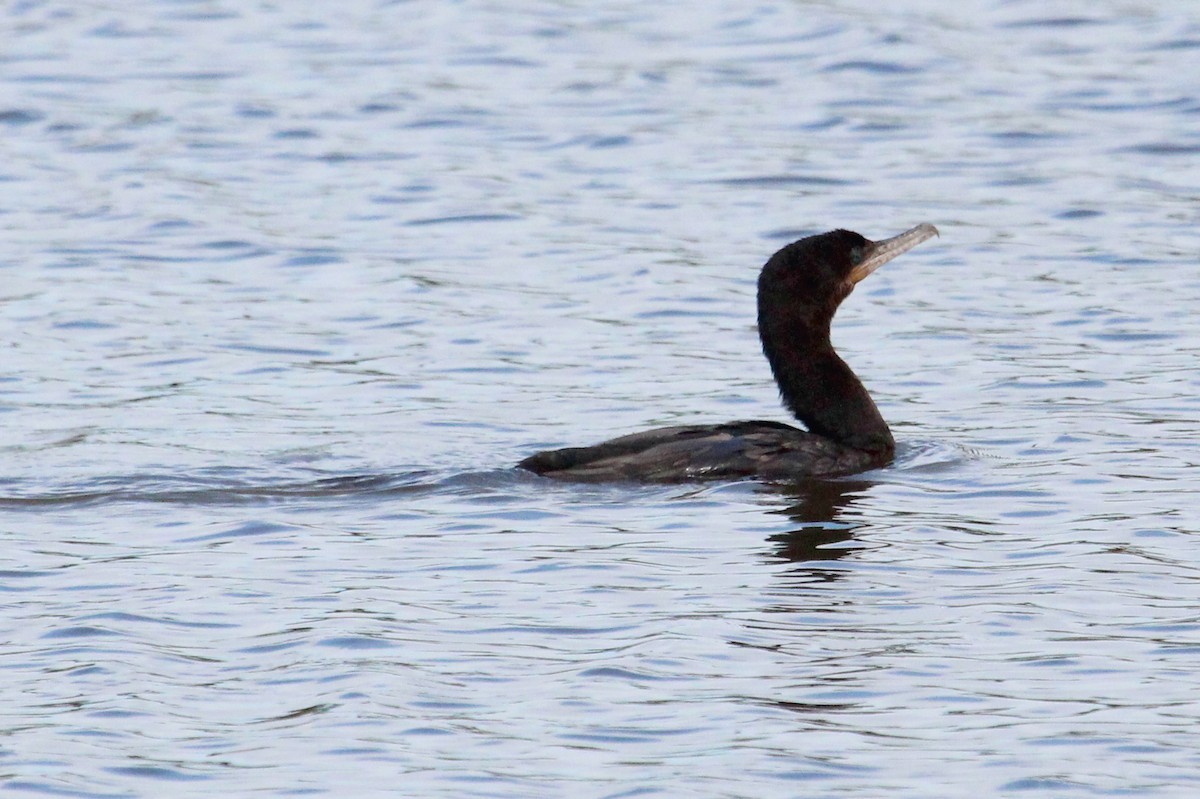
{"x":286,"y":288}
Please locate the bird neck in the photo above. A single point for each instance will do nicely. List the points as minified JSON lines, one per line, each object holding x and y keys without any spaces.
{"x":824,"y":393}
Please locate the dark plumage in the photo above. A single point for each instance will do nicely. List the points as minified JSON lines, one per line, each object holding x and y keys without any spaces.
{"x":799,"y":291}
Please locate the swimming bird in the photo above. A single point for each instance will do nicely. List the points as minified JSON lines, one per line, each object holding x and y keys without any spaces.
{"x":799,"y":290}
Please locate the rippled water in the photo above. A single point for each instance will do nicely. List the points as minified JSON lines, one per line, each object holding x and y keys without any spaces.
{"x":287,"y":288}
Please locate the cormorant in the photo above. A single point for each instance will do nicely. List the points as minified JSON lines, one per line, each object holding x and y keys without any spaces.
{"x":799,"y":290}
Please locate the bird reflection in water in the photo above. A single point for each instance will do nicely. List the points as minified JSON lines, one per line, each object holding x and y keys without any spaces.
{"x":818,"y":509}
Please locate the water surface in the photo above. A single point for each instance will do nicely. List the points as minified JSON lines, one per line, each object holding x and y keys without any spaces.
{"x":286,"y":291}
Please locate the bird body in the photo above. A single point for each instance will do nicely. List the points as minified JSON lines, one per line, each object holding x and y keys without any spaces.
{"x":764,"y":450}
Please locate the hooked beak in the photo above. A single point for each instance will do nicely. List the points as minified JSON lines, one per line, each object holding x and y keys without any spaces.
{"x":880,"y":252}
